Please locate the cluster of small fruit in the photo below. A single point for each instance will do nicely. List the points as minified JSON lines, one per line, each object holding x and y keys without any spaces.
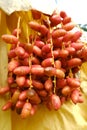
{"x":43,"y":70}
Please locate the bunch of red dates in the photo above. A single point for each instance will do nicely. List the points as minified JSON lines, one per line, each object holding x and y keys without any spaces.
{"x":43,"y":70}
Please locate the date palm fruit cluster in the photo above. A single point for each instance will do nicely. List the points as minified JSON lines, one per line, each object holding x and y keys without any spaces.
{"x":43,"y":70}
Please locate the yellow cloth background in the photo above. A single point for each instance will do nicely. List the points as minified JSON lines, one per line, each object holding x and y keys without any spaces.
{"x":69,"y":117}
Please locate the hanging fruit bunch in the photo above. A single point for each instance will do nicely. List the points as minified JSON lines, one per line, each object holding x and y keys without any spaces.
{"x":43,"y":70}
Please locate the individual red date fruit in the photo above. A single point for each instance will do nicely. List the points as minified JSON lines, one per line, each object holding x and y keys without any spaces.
{"x":48,"y":84}
{"x":63,"y":14}
{"x":66,"y":20}
{"x":75,"y":96}
{"x":21,"y":70}
{"x":4,"y":90}
{"x":12,"y":65}
{"x":55,"y":20}
{"x":55,"y":101}
{"x":73,"y":82}
{"x":37,"y":84}
{"x":43,"y":30}
{"x":47,"y":62}
{"x":34,"y":25}
{"x":15,"y":96}
{"x":50,"y":71}
{"x":69,"y":26}
{"x":33,"y":96}
{"x":7,"y":106}
{"x":66,"y":90}
{"x":28,"y":48}
{"x":35,"y":14}
{"x":37,"y":70}
{"x":8,"y":38}
{"x":19,"y":51}
{"x":58,"y":33}
{"x":26,"y":110}
{"x":20,"y":104}
{"x":20,"y":80}
{"x":37,"y":51}
{"x":76,"y":36}
{"x":74,"y":62}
